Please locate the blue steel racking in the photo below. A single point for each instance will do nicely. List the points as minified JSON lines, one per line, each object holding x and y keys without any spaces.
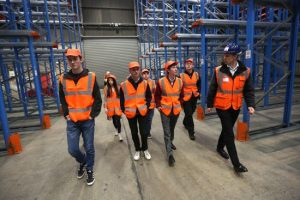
{"x":31,"y":46}
{"x":266,"y":30}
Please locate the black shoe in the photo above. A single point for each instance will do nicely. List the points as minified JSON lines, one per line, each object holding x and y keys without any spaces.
{"x":223,"y":153}
{"x":171,"y":161}
{"x":90,"y":179}
{"x":185,"y":126}
{"x":80,"y":172}
{"x":149,"y":136}
{"x":192,"y":136}
{"x":173,"y":146}
{"x":240,"y":169}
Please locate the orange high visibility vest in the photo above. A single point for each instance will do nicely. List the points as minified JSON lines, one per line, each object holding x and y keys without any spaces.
{"x":152,"y":88}
{"x":79,"y":96}
{"x":134,"y":99}
{"x":230,"y":91}
{"x":170,"y":96}
{"x":190,"y":85}
{"x":112,"y":103}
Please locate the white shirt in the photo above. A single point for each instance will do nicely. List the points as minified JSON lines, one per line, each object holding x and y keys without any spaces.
{"x":233,"y":70}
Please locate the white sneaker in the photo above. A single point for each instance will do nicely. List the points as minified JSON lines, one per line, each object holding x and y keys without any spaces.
{"x":116,"y":133}
{"x":136,"y":155}
{"x":147,"y":155}
{"x":120,"y":137}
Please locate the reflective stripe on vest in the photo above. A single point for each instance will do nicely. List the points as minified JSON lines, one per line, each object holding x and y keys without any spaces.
{"x":134,"y":99}
{"x":170,"y":96}
{"x":79,"y":96}
{"x":87,"y":92}
{"x":189,"y":85}
{"x":230,"y":91}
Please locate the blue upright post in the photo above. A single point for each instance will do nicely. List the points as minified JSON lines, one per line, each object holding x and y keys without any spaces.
{"x":5,"y":77}
{"x":292,"y":64}
{"x":68,"y":27}
{"x":164,"y":28}
{"x":249,"y":42}
{"x":203,"y":59}
{"x":78,"y":17}
{"x":33,"y":63}
{"x":179,"y":40}
{"x":39,"y":79}
{"x":267,"y":64}
{"x":3,"y":117}
{"x":61,"y":34}
{"x":74,"y":28}
{"x":17,"y":64}
{"x":51,"y":58}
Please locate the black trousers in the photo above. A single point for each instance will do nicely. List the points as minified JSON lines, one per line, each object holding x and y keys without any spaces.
{"x":133,"y":124}
{"x":228,"y":118}
{"x":117,"y":122}
{"x":189,"y":109}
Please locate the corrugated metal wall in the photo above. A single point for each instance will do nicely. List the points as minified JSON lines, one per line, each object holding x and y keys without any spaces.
{"x":112,"y":55}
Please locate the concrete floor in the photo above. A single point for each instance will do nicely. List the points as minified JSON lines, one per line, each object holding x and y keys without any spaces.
{"x":44,"y":170}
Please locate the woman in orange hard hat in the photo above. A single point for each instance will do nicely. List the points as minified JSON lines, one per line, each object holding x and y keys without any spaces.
{"x":152,"y":85}
{"x":168,"y":99}
{"x":112,"y":104}
{"x":191,"y":90}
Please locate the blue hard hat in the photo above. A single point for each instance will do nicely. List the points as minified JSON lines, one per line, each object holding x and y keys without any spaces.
{"x":232,"y":48}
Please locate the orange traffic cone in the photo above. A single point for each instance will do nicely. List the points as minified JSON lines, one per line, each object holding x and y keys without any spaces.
{"x":200,"y":112}
{"x":14,"y":143}
{"x":242,"y":131}
{"x":46,"y":121}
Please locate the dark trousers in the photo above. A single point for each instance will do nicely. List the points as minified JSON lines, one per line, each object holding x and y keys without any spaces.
{"x":228,"y":118}
{"x":133,"y":124}
{"x":169,"y":123}
{"x":150,"y":115}
{"x":117,"y":122}
{"x":189,"y":109}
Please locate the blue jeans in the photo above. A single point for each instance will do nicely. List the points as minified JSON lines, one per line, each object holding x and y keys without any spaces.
{"x":149,"y":121}
{"x":74,"y":130}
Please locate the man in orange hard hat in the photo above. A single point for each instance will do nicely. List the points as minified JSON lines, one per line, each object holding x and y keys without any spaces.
{"x":168,"y":98}
{"x":81,"y":103}
{"x":191,"y":90}
{"x":135,"y":99}
{"x":152,"y":85}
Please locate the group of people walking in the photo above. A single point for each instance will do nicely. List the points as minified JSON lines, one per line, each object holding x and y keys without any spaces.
{"x":138,"y":96}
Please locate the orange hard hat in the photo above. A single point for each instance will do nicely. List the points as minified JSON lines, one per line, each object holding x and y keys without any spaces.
{"x":145,"y":70}
{"x":189,"y":60}
{"x":73,"y":52}
{"x":133,"y":64}
{"x":112,"y":76}
{"x":168,"y":64}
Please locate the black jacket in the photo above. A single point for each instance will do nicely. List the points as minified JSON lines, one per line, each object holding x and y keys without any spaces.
{"x":96,"y":107}
{"x":135,"y":85}
{"x":248,"y":90}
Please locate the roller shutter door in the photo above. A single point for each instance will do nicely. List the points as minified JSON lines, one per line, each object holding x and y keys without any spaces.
{"x":112,"y":55}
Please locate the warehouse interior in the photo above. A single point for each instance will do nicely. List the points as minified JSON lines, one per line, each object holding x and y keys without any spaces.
{"x":34,"y":37}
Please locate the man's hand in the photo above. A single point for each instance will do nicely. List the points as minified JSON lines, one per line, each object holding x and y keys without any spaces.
{"x":90,"y":117}
{"x":251,"y":110}
{"x":209,"y":109}
{"x":68,"y":117}
{"x":159,"y":108}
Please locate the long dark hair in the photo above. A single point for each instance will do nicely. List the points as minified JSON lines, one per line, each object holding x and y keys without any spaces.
{"x":109,"y":88}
